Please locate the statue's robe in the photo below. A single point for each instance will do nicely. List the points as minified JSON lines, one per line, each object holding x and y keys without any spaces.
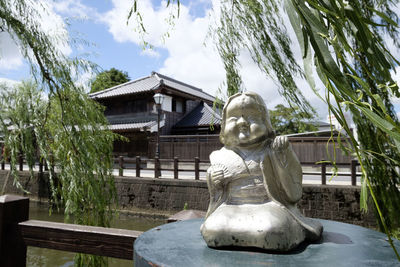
{"x":255,"y":203}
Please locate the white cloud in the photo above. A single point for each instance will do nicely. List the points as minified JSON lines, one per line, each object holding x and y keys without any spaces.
{"x":10,"y":57}
{"x":8,"y":82}
{"x":189,"y":60}
{"x":396,"y":75}
{"x":54,"y":25}
{"x":74,"y":8}
{"x":151,"y":53}
{"x":153,"y":19}
{"x":84,"y":80}
{"x":50,"y":22}
{"x":396,"y":100}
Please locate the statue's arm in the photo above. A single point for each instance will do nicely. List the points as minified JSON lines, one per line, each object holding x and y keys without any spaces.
{"x":288,"y":169}
{"x":216,"y":182}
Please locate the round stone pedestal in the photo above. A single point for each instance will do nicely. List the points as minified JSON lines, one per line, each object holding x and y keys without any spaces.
{"x":181,"y":244}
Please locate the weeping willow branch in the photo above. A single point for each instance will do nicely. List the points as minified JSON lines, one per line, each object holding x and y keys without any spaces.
{"x":67,"y":128}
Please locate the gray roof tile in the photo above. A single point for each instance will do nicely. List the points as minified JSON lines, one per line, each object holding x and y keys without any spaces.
{"x":202,"y":115}
{"x":183,"y":87}
{"x":123,"y":122}
{"x":131,"y":126}
{"x":150,"y":83}
{"x":137,"y":86}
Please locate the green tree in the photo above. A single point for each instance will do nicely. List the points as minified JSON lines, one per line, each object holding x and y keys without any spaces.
{"x":346,"y":46}
{"x":345,"y":42}
{"x":287,"y":120}
{"x":69,"y":129}
{"x":109,"y":78}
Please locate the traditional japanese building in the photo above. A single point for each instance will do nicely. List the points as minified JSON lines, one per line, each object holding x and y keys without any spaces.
{"x":131,"y":111}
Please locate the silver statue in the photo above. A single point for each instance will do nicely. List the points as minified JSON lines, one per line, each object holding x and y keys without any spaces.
{"x":254,"y":181}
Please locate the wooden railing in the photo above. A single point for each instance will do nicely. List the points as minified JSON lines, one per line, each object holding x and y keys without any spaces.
{"x":21,"y":161}
{"x":138,"y":162}
{"x":175,"y":165}
{"x":352,"y":165}
{"x":157,"y":163}
{"x":17,"y":232}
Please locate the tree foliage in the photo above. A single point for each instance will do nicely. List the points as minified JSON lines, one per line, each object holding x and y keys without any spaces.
{"x":345,"y":44}
{"x":286,"y":120}
{"x":109,"y":78}
{"x":69,"y":130}
{"x":344,"y":41}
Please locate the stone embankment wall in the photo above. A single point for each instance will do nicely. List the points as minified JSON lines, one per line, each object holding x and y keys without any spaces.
{"x":339,"y":203}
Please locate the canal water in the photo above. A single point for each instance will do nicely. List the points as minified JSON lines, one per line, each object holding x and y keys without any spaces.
{"x":40,"y":257}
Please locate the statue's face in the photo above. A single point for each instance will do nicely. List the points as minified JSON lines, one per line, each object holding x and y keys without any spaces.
{"x":244,"y":122}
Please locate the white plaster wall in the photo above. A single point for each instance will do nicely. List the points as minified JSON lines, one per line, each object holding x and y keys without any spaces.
{"x":167,"y":104}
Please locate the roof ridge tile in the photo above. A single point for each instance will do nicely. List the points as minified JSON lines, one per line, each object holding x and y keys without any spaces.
{"x":118,"y":86}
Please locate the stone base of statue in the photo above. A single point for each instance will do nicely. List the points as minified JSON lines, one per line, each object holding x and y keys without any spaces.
{"x":341,"y":244}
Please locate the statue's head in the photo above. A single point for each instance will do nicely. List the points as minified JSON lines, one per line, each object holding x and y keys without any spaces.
{"x":245,"y":120}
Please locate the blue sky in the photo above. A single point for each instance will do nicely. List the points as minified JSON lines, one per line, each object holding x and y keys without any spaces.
{"x":182,"y":56}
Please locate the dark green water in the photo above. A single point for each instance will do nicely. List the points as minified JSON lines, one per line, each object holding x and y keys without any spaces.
{"x":40,"y":257}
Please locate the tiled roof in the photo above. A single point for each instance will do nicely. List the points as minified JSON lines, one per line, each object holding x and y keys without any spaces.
{"x":202,"y":115}
{"x":183,"y":87}
{"x":128,"y":118}
{"x":132,"y":87}
{"x":129,"y":123}
{"x":132,"y":126}
{"x":149,"y":83}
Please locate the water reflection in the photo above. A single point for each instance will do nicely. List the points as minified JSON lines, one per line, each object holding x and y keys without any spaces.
{"x":40,"y":257}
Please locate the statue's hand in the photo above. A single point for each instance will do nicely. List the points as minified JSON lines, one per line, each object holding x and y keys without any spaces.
{"x":217,"y":176}
{"x":280,"y":143}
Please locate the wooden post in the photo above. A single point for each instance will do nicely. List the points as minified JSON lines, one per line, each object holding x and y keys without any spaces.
{"x":13,"y":209}
{"x":173,"y":147}
{"x":196,"y":168}
{"x":323,"y":173}
{"x":176,"y":167}
{"x":21,"y":162}
{"x":315,"y":150}
{"x":198,"y":147}
{"x":138,"y":162}
{"x":40,"y":166}
{"x":354,"y":172}
{"x":121,"y":166}
{"x":156,"y":167}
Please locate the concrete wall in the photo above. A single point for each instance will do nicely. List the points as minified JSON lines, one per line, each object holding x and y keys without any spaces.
{"x":339,"y":203}
{"x":37,"y":187}
{"x":162,"y":194}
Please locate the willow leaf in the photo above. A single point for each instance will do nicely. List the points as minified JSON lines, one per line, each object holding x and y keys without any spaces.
{"x":384,"y":17}
{"x":312,"y":19}
{"x":380,"y":103}
{"x":303,"y":42}
{"x":364,"y":195}
{"x":383,"y":124}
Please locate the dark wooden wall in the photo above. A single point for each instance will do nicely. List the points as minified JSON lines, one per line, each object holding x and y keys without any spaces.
{"x":307,"y":149}
{"x":136,"y":146}
{"x":186,"y":146}
{"x":313,"y":149}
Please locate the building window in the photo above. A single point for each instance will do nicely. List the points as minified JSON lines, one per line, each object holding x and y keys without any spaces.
{"x":177,"y":105}
{"x":173,"y":104}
